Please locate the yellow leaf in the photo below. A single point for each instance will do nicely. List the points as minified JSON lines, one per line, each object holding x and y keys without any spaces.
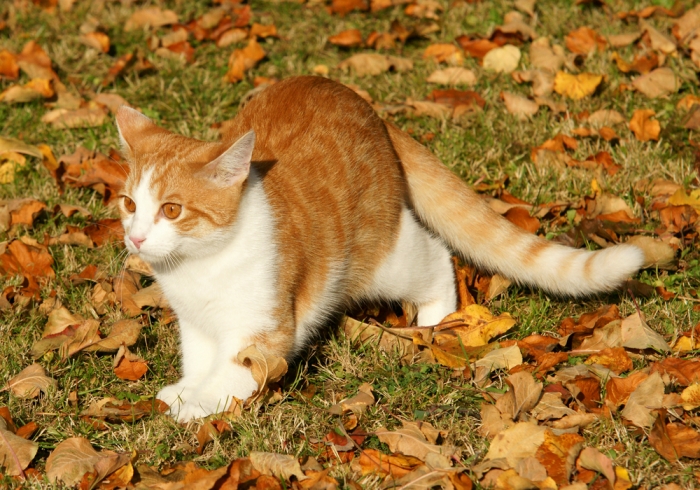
{"x":679,"y":198}
{"x":475,"y":325}
{"x":576,"y":86}
{"x":691,"y":397}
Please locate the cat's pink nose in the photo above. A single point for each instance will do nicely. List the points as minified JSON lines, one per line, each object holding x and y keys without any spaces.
{"x":137,"y":241}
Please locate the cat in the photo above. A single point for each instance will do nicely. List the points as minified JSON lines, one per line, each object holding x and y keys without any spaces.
{"x":309,"y":203}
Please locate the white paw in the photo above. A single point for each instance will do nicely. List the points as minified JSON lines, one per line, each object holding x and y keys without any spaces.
{"x":176,"y":394}
{"x":189,"y":411}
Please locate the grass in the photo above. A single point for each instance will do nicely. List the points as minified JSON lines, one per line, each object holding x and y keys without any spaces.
{"x":485,"y":146}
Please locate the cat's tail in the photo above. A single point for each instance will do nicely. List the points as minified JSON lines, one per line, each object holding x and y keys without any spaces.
{"x":451,"y":209}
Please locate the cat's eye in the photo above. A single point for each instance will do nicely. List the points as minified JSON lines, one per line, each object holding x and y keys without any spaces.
{"x":172,"y":210}
{"x":129,"y":204}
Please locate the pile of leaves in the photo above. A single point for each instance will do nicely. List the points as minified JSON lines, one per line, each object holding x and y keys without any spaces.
{"x":510,"y":405}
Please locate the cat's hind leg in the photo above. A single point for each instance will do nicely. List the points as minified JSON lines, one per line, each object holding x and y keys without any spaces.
{"x":418,"y":270}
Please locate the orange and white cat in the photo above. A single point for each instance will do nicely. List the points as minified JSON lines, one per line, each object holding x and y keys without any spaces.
{"x":312,"y":202}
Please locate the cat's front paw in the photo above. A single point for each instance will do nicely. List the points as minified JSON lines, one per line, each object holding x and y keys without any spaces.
{"x":175,"y":395}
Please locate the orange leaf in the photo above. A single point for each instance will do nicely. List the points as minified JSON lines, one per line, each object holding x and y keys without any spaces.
{"x":584,"y":40}
{"x":476,"y":48}
{"x":643,"y":127}
{"x":129,"y":370}
{"x":347,"y":39}
{"x":263,"y":31}
{"x":242,"y":60}
{"x":521,"y":218}
{"x":8,"y":65}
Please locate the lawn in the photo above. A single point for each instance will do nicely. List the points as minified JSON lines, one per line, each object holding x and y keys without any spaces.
{"x":567,"y":127}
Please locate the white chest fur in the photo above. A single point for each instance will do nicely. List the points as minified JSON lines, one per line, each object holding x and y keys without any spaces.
{"x":232,"y":290}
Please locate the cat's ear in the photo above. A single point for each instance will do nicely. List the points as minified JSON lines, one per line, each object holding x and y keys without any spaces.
{"x":131,"y":124}
{"x":232,"y":166}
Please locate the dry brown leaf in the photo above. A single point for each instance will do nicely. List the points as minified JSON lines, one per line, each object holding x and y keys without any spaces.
{"x":544,"y":57}
{"x":14,"y":449}
{"x":622,"y":40}
{"x":636,"y":334}
{"x":98,"y":40}
{"x":516,"y":443}
{"x":444,"y":53}
{"x":475,"y":325}
{"x":659,"y":42}
{"x":34,"y":61}
{"x":94,"y":115}
{"x":682,"y":371}
{"x":605,"y":117}
{"x":280,"y":465}
{"x":615,"y":359}
{"x":372,"y":461}
{"x":454,"y":75}
{"x":551,"y":407}
{"x":691,"y":397}
{"x":476,"y":48}
{"x":150,"y":17}
{"x":523,"y":395}
{"x":356,"y":404}
{"x":409,"y":440}
{"x":658,"y":83}
{"x":576,"y":86}
{"x":75,"y":456}
{"x":647,"y":397}
{"x":114,"y":410}
{"x":584,"y":40}
{"x":618,"y":390}
{"x":31,"y":381}
{"x":502,"y":60}
{"x":520,"y":106}
{"x":347,"y":39}
{"x":542,"y":82}
{"x":34,"y":89}
{"x":265,"y":369}
{"x":592,"y":459}
{"x":373,"y":64}
{"x":643,"y":126}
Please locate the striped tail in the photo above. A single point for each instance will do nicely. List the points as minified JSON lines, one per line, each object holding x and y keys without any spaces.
{"x":452,"y":210}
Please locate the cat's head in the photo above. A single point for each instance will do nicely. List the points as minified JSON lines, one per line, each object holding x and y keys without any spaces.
{"x":182,"y":195}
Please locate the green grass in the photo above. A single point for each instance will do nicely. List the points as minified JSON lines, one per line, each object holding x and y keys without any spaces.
{"x":485,"y":146}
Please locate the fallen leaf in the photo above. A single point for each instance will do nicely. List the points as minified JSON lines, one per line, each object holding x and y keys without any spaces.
{"x":265,"y":369}
{"x":622,"y":40}
{"x":347,"y":39}
{"x":658,"y":41}
{"x":75,"y":456}
{"x":502,"y":60}
{"x":31,"y":381}
{"x":16,"y":453}
{"x":525,"y":393}
{"x":113,"y":410}
{"x":372,"y":461}
{"x":647,"y":396}
{"x":636,"y":334}
{"x":150,"y":17}
{"x":522,"y":107}
{"x":244,"y":59}
{"x":129,"y":366}
{"x":643,"y":62}
{"x":643,"y":127}
{"x":356,"y":404}
{"x":87,"y":117}
{"x":280,"y":465}
{"x":516,"y":443}
{"x":615,"y":359}
{"x":263,"y":31}
{"x":373,"y":64}
{"x":475,"y":325}
{"x":682,"y":371}
{"x":592,"y":459}
{"x":658,"y":83}
{"x":558,"y":455}
{"x":8,"y":65}
{"x":409,"y":440}
{"x":584,"y":40}
{"x":576,"y":86}
{"x":454,"y":75}
{"x":476,"y":48}
{"x":444,"y":53}
{"x":34,"y":89}
{"x":546,"y":57}
{"x":97,"y":40}
{"x":691,"y":397}
{"x":550,"y":407}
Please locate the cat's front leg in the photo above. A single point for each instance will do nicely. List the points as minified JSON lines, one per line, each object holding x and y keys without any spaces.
{"x":198,"y":352}
{"x":227,"y":381}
